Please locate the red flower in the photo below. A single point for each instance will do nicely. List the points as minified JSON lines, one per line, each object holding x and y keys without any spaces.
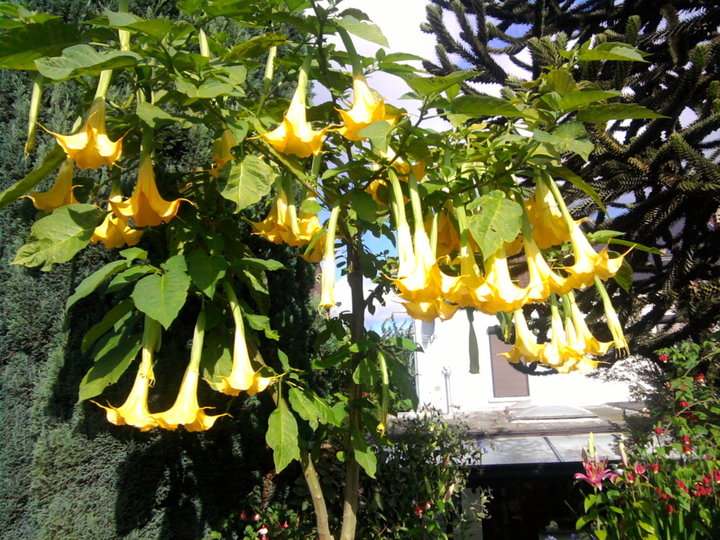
{"x":682,"y":485}
{"x":630,"y":477}
{"x":243,"y":515}
{"x":716,"y":475}
{"x":700,"y":377}
{"x":418,"y":511}
{"x":595,"y":471}
{"x":684,"y":404}
{"x":256,"y":517}
{"x":639,"y":469}
{"x":285,"y":525}
{"x":686,"y":439}
{"x":663,"y":358}
{"x":670,"y":508}
{"x":659,"y":430}
{"x":654,"y":467}
{"x":664,"y":496}
{"x":427,"y":505}
{"x":687,"y":448}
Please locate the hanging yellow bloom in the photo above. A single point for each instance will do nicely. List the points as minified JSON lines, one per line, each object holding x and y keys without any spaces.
{"x":327,"y":280}
{"x":429,"y":311}
{"x":90,"y":148}
{"x":587,"y":263}
{"x":134,"y":412}
{"x":146,"y":206}
{"x":525,"y":346}
{"x":185,"y":411}
{"x":621,"y":345}
{"x":542,"y":279}
{"x":589,"y":342}
{"x":505,"y":295}
{"x":243,"y":378}
{"x":60,"y":194}
{"x":546,"y":218}
{"x":366,"y":110}
{"x":114,"y":232}
{"x":423,"y":281}
{"x":448,"y":239}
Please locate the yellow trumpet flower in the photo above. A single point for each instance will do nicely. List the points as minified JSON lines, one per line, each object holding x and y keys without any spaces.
{"x":423,"y":281}
{"x":621,"y":345}
{"x":525,"y":346}
{"x":243,"y":378}
{"x":448,"y":239}
{"x":542,"y":280}
{"x":114,"y":232}
{"x":429,"y":311}
{"x":587,"y":263}
{"x":546,"y":218}
{"x":504,"y":294}
{"x":134,"y":412}
{"x":90,"y":148}
{"x":327,"y":280}
{"x":222,"y":153}
{"x":186,"y":411}
{"x":146,"y":206}
{"x":60,"y":194}
{"x":366,"y":110}
{"x":591,"y":344}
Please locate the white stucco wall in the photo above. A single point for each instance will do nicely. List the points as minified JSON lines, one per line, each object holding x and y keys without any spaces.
{"x":445,"y":347}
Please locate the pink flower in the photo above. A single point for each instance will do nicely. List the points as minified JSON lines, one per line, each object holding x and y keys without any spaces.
{"x":595,"y":471}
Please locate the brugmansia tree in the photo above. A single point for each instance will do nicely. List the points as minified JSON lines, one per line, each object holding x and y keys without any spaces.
{"x":660,"y":175}
{"x":460,"y":205}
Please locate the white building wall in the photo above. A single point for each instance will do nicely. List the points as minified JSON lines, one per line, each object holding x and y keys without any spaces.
{"x":445,"y":345}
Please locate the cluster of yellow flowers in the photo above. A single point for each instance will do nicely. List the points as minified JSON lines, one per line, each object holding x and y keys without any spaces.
{"x":91,"y":148}
{"x":435,"y":285}
{"x":186,"y":410}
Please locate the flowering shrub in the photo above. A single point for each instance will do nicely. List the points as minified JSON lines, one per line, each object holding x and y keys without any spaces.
{"x":668,"y":483}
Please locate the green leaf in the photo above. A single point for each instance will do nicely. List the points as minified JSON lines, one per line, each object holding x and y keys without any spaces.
{"x":365,"y":206}
{"x":363,"y":453}
{"x":208,"y":89}
{"x":157,"y":28}
{"x":560,"y":81}
{"x":20,"y":47}
{"x":611,"y":51}
{"x":254,"y":47}
{"x":130,"y":254}
{"x":601,"y":534}
{"x":93,"y":281}
{"x":261,"y":264}
{"x":261,"y":323}
{"x":574,"y":100}
{"x":615,"y":111}
{"x":50,"y":162}
{"x":248,"y":182}
{"x":216,"y":358}
{"x":111,"y":361}
{"x":568,"y":137}
{"x":433,"y":85}
{"x":365,"y":372}
{"x":206,"y":270}
{"x":161,"y":297}
{"x":154,"y":116}
{"x":582,"y":521}
{"x":118,"y":314}
{"x":377,"y":132}
{"x":482,"y":106}
{"x":303,"y":403}
{"x":574,"y":179}
{"x":498,"y":221}
{"x":473,"y":348}
{"x":364,"y":30}
{"x":131,"y":275}
{"x":590,"y":500}
{"x":83,"y":60}
{"x":282,"y":436}
{"x":56,"y":238}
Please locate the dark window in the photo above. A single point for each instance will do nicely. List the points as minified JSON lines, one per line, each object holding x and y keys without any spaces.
{"x":507,"y":381}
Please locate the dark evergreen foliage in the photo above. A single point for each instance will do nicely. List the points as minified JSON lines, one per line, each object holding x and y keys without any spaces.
{"x":662,"y":182}
{"x":65,"y":472}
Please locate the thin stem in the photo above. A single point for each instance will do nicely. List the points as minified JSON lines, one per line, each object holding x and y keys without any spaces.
{"x":357,"y":69}
{"x":357,"y":332}
{"x":318,"y":499}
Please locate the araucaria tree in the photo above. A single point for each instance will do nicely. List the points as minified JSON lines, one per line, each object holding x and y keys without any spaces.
{"x":193,"y":272}
{"x":660,"y":177}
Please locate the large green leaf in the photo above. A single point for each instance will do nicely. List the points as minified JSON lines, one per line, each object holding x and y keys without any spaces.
{"x":83,"y":60}
{"x":20,"y":47}
{"x":254,"y":47}
{"x":568,"y":137}
{"x":93,"y":281}
{"x":50,"y":162}
{"x":162,"y":296}
{"x":498,"y":220}
{"x":303,"y":403}
{"x":131,"y":275}
{"x":362,"y":29}
{"x":615,"y":111}
{"x":113,"y":357}
{"x":208,"y":89}
{"x":248,"y":182}
{"x":611,"y":51}
{"x":481,"y":106}
{"x":206,"y":270}
{"x":572,"y":101}
{"x":58,"y":237}
{"x":574,"y":179}
{"x":117,"y":315}
{"x":282,"y":436}
{"x":157,"y":28}
{"x":363,"y":453}
{"x":431,"y":85}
